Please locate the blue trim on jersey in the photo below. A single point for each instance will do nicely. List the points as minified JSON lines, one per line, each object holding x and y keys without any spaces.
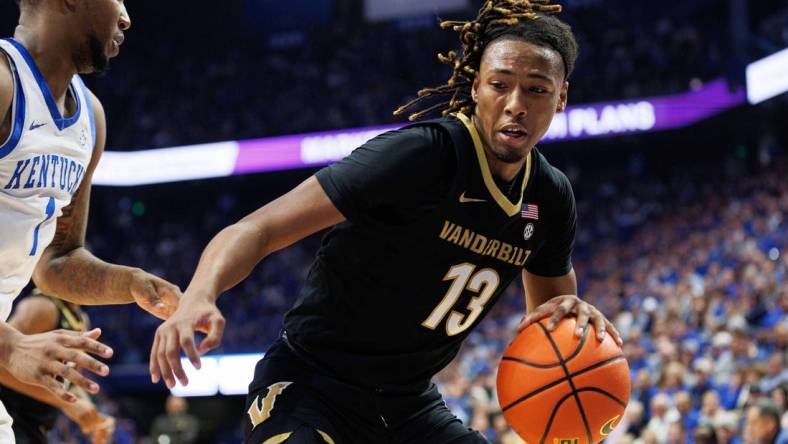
{"x":18,"y":108}
{"x":89,"y":107}
{"x":61,"y":122}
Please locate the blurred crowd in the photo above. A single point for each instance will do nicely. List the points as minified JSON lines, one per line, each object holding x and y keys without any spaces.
{"x":221,"y":85}
{"x":691,"y":266}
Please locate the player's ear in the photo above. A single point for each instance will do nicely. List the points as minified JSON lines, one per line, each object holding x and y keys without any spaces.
{"x":474,"y":89}
{"x":562,"y":97}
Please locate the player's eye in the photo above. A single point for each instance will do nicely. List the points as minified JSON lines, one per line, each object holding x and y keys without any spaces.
{"x":498,"y":85}
{"x":538,"y":90}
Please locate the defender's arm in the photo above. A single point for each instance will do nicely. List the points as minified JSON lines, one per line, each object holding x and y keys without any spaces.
{"x":69,"y":271}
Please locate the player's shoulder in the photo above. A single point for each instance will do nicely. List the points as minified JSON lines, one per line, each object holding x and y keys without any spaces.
{"x":6,"y":85}
{"x":551,"y":180}
{"x":423,"y":143}
{"x":422,"y":135}
{"x":95,"y":103}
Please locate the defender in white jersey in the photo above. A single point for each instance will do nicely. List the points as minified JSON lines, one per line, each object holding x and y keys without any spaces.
{"x":52,"y":134}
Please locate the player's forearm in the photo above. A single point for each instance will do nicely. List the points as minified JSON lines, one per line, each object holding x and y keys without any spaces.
{"x":82,"y":278}
{"x":227,"y":260}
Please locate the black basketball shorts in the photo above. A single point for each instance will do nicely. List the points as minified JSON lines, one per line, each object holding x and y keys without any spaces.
{"x":292,"y":402}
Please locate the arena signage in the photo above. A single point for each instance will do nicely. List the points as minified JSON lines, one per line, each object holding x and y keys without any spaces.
{"x":317,"y":149}
{"x":767,"y":78}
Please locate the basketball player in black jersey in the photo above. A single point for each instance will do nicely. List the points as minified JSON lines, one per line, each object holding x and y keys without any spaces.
{"x":33,"y":408}
{"x":430,"y":224}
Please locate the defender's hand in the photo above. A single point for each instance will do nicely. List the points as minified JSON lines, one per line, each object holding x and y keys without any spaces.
{"x":562,"y":306}
{"x":38,"y":359}
{"x":177,"y":332}
{"x":154,"y":294}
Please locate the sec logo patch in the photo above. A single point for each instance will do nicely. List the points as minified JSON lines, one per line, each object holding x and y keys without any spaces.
{"x":529,"y":231}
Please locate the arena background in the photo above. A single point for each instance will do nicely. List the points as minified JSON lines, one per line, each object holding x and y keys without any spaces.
{"x":682,"y":232}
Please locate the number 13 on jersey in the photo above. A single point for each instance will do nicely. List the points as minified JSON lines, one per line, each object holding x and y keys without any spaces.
{"x":484,"y":282}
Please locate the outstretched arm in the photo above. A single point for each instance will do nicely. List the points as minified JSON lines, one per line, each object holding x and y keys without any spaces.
{"x":236,"y":250}
{"x":69,"y":271}
{"x":227,"y":260}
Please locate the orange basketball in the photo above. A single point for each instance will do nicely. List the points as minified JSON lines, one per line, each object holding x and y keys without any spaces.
{"x":556,"y":388}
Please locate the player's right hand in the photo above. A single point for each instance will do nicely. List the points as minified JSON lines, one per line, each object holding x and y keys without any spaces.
{"x":38,"y":359}
{"x":177,"y":332}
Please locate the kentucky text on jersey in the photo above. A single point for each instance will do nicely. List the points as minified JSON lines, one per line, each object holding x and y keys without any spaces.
{"x":483,"y":245}
{"x":46,"y":171}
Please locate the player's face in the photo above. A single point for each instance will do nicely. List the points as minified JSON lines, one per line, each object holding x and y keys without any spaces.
{"x":519,"y":88}
{"x":104,"y":22}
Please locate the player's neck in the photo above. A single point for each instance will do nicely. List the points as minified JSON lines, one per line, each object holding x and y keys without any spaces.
{"x":51,"y":53}
{"x":503,"y":171}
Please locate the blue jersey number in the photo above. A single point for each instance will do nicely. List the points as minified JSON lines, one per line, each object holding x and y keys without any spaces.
{"x":50,"y":213}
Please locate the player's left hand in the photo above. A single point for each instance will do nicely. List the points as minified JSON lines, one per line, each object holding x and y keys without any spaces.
{"x":154,"y":294}
{"x":565,"y":305}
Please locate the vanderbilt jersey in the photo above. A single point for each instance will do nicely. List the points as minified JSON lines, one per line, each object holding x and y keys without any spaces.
{"x":430,"y":242}
{"x":42,"y":163}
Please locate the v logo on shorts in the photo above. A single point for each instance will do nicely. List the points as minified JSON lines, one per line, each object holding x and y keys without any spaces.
{"x":259,"y":411}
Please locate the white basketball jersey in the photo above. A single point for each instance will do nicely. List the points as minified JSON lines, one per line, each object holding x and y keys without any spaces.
{"x":41,"y":166}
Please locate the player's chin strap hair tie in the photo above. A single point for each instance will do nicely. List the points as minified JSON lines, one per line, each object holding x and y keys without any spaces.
{"x":475,"y":35}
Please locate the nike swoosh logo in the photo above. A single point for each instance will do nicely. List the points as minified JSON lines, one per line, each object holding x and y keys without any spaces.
{"x":464,"y":199}
{"x":608,"y":427}
{"x":35,"y":125}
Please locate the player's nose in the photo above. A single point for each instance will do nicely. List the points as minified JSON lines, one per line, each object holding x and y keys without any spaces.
{"x":124,"y":23}
{"x":515,"y":104}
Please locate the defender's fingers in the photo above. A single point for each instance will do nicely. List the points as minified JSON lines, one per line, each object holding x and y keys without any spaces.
{"x":76,"y":340}
{"x":69,"y":373}
{"x":53,"y":386}
{"x":92,"y":334}
{"x":81,"y":360}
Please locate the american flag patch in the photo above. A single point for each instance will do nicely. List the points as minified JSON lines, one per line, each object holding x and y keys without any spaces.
{"x":530,"y":211}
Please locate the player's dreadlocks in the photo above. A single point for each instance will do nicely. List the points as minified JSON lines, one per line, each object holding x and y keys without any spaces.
{"x":523,"y":19}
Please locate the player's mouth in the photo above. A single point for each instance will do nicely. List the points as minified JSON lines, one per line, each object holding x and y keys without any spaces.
{"x":512,"y":134}
{"x":115,"y":45}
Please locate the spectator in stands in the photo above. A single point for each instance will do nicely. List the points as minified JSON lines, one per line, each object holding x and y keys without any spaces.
{"x":763,"y":424}
{"x":176,"y":426}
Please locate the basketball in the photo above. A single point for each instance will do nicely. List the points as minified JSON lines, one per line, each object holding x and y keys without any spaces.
{"x":556,"y":388}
